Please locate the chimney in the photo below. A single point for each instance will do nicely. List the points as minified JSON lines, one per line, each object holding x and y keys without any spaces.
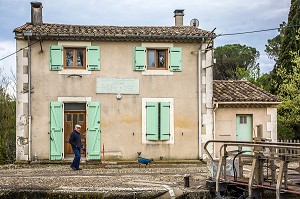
{"x":178,"y":14}
{"x":36,"y":13}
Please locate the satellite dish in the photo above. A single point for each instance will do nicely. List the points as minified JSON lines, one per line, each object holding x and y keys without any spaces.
{"x":194,"y":22}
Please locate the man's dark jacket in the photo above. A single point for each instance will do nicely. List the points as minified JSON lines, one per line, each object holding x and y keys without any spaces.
{"x":75,"y":139}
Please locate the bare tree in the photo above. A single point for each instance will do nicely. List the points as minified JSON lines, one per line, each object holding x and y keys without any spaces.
{"x":7,"y":117}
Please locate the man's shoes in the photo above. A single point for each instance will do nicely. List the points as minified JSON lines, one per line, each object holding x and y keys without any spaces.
{"x":78,"y":168}
{"x":73,"y":168}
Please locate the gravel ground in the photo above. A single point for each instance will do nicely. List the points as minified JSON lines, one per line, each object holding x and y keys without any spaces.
{"x":154,"y":180}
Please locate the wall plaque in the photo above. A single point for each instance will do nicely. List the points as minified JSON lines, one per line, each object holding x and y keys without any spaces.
{"x":117,"y":85}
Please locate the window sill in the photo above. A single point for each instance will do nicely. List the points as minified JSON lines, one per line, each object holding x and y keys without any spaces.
{"x":170,"y":141}
{"x":157,"y":72}
{"x":71,"y":72}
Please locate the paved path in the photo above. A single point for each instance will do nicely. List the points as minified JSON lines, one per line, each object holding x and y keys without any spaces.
{"x":126,"y":180}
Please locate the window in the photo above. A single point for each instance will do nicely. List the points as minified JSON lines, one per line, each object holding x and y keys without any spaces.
{"x":157,"y":59}
{"x":158,"y":120}
{"x":74,"y":58}
{"x":69,"y":117}
{"x":243,"y":119}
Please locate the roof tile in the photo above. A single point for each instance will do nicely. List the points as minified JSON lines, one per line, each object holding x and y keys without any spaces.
{"x":178,"y":32}
{"x":240,"y":91}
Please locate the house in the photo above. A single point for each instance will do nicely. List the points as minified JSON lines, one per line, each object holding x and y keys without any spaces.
{"x":132,"y":89}
{"x":239,"y":108}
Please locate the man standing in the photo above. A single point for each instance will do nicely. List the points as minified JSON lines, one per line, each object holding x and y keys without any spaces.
{"x":75,"y":141}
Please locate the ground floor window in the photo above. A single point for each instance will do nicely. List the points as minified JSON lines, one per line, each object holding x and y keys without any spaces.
{"x":158,"y":120}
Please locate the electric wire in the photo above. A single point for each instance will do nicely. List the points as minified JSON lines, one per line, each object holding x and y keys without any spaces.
{"x":18,"y":51}
{"x":256,"y":31}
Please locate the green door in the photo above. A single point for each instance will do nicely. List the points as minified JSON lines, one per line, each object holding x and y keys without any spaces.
{"x":93,"y":131}
{"x":244,"y":129}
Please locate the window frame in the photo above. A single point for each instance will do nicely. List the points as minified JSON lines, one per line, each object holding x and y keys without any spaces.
{"x":144,"y":121}
{"x":156,"y":51}
{"x":84,"y":65}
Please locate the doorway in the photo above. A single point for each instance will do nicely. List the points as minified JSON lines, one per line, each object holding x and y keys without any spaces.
{"x":244,"y":129}
{"x":74,"y":113}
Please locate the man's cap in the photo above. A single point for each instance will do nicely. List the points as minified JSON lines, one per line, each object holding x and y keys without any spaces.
{"x":77,"y":126}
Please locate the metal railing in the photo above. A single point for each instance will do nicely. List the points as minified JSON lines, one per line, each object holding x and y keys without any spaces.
{"x":265,"y":157}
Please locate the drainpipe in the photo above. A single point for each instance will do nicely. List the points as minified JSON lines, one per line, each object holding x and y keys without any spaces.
{"x":29,"y":101}
{"x":200,"y":100}
{"x":214,"y":126}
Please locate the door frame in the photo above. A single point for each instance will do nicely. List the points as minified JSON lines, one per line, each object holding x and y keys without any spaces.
{"x":72,"y":100}
{"x":82,"y":132}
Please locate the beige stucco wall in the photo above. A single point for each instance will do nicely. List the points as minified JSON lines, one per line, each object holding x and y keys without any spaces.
{"x":225,"y":123}
{"x":121,"y":120}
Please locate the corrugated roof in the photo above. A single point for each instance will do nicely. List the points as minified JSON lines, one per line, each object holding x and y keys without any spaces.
{"x":240,"y":91}
{"x":190,"y":33}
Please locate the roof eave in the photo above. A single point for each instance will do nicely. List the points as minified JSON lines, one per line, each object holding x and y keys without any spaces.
{"x":112,"y":36}
{"x":248,"y":104}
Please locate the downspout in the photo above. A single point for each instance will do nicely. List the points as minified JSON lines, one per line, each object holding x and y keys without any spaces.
{"x":214,"y":126}
{"x":200,"y":100}
{"x":29,"y":101}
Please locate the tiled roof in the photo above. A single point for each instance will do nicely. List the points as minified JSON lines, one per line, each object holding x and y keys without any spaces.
{"x":240,"y":91}
{"x":186,"y":33}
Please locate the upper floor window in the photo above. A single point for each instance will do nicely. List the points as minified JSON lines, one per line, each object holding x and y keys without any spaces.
{"x":74,"y":58}
{"x":157,"y":59}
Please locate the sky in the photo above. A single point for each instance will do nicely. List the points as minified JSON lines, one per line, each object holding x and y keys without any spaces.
{"x":227,"y":16}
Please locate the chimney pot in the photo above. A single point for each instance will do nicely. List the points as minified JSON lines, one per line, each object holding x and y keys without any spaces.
{"x":178,"y":14}
{"x":36,"y":13}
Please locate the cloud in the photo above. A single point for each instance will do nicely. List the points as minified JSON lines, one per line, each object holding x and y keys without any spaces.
{"x":8,"y":64}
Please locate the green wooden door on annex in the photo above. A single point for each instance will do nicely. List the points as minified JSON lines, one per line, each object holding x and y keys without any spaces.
{"x":244,"y":125}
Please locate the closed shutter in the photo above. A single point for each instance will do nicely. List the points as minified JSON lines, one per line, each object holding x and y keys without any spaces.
{"x":139,"y":58}
{"x":93,"y":57}
{"x":164,"y":120}
{"x":152,"y":120}
{"x":175,"y":59}
{"x":56,"y":59}
{"x":56,"y":131}
{"x":93,"y":131}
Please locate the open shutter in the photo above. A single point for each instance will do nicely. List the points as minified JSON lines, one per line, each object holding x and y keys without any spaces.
{"x":93,"y":57}
{"x":175,"y":59}
{"x":139,"y":59}
{"x":152,"y":120}
{"x":93,"y":135}
{"x":56,"y":59}
{"x":56,"y":131}
{"x":164,"y":120}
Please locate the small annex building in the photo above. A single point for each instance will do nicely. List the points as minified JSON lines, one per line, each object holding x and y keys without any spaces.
{"x":239,"y":107}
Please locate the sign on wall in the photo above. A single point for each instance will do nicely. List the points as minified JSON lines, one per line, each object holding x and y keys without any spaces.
{"x":117,"y":85}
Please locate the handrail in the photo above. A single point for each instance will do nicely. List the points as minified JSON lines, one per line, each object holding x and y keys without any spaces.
{"x":283,"y":145}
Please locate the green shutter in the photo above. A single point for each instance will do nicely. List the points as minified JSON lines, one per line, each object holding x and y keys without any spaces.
{"x":93,"y":135}
{"x":164,"y":120}
{"x":152,"y":120}
{"x":139,"y":59}
{"x":56,"y":59}
{"x":93,"y":57}
{"x":56,"y":132}
{"x":175,"y":59}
